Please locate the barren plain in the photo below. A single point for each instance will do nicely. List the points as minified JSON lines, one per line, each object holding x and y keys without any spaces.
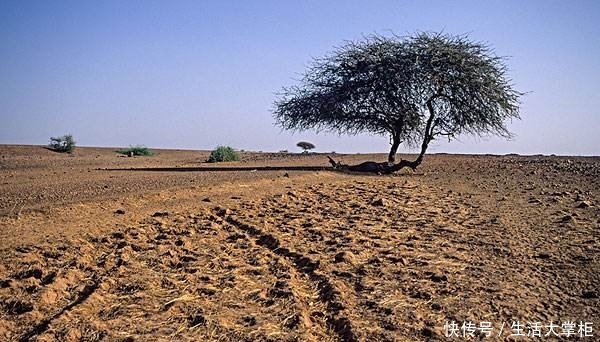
{"x":99,"y":247}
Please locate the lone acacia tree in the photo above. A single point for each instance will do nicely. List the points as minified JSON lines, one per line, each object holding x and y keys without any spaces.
{"x":306,"y":146}
{"x":412,"y":89}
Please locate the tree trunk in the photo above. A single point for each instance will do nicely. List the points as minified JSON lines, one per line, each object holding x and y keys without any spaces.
{"x":389,"y":167}
{"x":427,"y":137}
{"x":394,"y":148}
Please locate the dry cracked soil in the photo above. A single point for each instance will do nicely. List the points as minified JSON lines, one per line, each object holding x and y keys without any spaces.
{"x":99,"y":247}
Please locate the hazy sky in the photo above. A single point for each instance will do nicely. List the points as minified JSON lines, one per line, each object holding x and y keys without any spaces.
{"x":196,"y":74}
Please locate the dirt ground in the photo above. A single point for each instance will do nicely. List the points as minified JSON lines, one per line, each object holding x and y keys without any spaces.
{"x":92,"y":249}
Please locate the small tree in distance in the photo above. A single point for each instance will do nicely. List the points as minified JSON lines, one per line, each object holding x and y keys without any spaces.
{"x":306,"y":146}
{"x":413,"y":89}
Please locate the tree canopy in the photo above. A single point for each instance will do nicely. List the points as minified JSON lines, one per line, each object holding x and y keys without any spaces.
{"x":412,"y":89}
{"x":305,"y":145}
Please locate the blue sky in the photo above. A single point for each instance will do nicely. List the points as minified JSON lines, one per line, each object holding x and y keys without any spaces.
{"x":196,"y":74}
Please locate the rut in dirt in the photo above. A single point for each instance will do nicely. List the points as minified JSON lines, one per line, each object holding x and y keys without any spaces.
{"x":328,"y":294}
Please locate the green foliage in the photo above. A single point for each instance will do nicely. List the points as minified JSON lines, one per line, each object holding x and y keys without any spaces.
{"x":412,"y":89}
{"x":305,"y":145}
{"x":137,"y":150}
{"x":223,"y":154}
{"x":66,"y":143}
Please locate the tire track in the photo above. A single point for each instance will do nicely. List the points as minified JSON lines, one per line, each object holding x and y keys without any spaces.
{"x":92,"y":285}
{"x":327,"y":293}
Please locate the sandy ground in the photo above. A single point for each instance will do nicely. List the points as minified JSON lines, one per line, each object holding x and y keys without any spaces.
{"x":94,"y":250}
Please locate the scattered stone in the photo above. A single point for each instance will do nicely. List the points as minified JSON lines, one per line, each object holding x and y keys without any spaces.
{"x":584,"y":204}
{"x":427,"y":332}
{"x":23,"y":249}
{"x":249,"y":321}
{"x":196,"y":320}
{"x":117,"y":235}
{"x":379,"y":202}
{"x":339,"y":257}
{"x":438,"y":278}
{"x":436,"y":306}
{"x":543,"y":255}
{"x":120,"y":212}
{"x":161,"y":236}
{"x":222,"y":211}
{"x":567,"y":218}
{"x":120,"y":244}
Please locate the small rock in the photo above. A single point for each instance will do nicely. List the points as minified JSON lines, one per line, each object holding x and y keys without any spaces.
{"x":584,"y":204}
{"x":379,"y":202}
{"x":589,"y":295}
{"x":567,"y":218}
{"x":427,"y":332}
{"x":206,"y":199}
{"x":438,"y":278}
{"x":117,"y":235}
{"x":339,"y":257}
{"x":222,"y":211}
{"x":287,"y":175}
{"x":543,"y":255}
{"x":160,"y":214}
{"x":436,"y":306}
{"x":120,"y":212}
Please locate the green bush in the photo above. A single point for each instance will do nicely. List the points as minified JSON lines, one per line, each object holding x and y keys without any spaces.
{"x":223,"y":154}
{"x":62,"y":144}
{"x":136,"y":151}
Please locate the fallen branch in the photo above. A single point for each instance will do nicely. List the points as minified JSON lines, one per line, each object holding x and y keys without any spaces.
{"x":373,"y":167}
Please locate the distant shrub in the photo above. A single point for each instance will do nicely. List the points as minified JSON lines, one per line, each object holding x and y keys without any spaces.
{"x":137,"y":151}
{"x":305,"y":145}
{"x":223,"y":154}
{"x":66,"y":143}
